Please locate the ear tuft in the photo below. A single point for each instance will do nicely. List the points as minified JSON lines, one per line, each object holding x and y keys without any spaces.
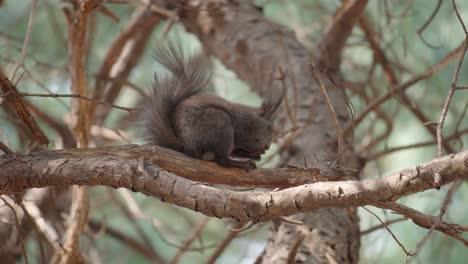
{"x":271,"y":104}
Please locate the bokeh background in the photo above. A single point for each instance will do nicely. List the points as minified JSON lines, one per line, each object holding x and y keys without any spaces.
{"x":166,"y":227}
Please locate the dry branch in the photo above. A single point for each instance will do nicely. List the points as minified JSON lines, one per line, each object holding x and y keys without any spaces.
{"x":27,"y":39}
{"x":196,"y":233}
{"x":203,"y":171}
{"x":42,"y":169}
{"x":77,"y":96}
{"x":123,"y":55}
{"x":404,"y":86}
{"x":137,"y":246}
{"x":391,"y":77}
{"x":77,"y":22}
{"x":426,"y":221}
{"x":333,"y":39}
{"x":453,"y":87}
{"x":10,"y":92}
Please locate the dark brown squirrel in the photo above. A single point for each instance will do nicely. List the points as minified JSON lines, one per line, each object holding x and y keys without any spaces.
{"x":180,"y":116}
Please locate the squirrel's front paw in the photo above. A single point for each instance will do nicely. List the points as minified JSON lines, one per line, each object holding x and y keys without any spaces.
{"x":250,"y":165}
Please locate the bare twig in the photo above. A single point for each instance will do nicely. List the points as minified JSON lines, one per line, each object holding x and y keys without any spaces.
{"x":128,"y":109}
{"x":122,"y":56}
{"x":38,"y":232}
{"x":453,"y":87}
{"x":18,"y":226}
{"x":222,"y":246}
{"x":11,"y":94}
{"x":27,"y":39}
{"x":426,"y":221}
{"x":5,"y":148}
{"x":391,"y":77}
{"x":389,"y":231}
{"x":295,"y":248}
{"x":132,"y":220}
{"x":416,"y":145}
{"x":198,"y":230}
{"x":68,"y":140}
{"x":382,"y":225}
{"x":426,"y":24}
{"x":402,"y":87}
{"x":336,"y":123}
{"x":79,"y":218}
{"x":137,"y":246}
{"x":443,"y":210}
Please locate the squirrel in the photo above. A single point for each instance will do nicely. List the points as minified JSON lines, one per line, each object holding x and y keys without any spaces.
{"x":180,"y":116}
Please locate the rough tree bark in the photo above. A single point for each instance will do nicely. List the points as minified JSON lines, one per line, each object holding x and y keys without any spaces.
{"x":126,"y":167}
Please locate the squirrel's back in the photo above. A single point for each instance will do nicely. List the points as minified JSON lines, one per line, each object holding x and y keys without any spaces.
{"x":188,"y":76}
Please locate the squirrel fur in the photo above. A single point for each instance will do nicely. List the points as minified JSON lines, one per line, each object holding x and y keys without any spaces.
{"x":180,"y":116}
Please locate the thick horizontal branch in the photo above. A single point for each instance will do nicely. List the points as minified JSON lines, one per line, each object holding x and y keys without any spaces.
{"x":192,"y":169}
{"x":123,"y":169}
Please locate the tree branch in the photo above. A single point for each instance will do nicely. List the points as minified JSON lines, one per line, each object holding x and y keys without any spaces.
{"x":122,"y":56}
{"x":333,"y":39}
{"x":199,"y":170}
{"x":426,"y":221}
{"x":43,"y":169}
{"x":11,"y":94}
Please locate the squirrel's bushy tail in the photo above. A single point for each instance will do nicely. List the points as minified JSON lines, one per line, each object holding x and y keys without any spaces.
{"x":189,"y":74}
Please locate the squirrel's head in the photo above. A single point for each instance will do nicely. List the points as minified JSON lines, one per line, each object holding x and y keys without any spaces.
{"x":257,"y":129}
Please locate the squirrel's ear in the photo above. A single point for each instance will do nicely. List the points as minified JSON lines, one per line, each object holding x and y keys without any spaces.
{"x":271,"y":105}
{"x":265,"y":110}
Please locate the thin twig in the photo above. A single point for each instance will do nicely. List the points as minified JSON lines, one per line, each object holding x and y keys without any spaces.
{"x":11,"y":94}
{"x":415,"y":145}
{"x":27,"y":39}
{"x":190,"y":240}
{"x":388,"y":229}
{"x":402,"y":87}
{"x":426,"y":221}
{"x":391,"y":77}
{"x":453,"y":87}
{"x":20,"y":230}
{"x":426,"y":24}
{"x":128,"y":109}
{"x":5,"y":148}
{"x":137,"y":246}
{"x":443,"y":210}
{"x":40,"y":235}
{"x":336,"y":123}
{"x":222,"y":246}
{"x":383,"y":225}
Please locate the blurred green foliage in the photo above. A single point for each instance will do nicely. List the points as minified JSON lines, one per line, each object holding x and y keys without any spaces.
{"x":47,"y":69}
